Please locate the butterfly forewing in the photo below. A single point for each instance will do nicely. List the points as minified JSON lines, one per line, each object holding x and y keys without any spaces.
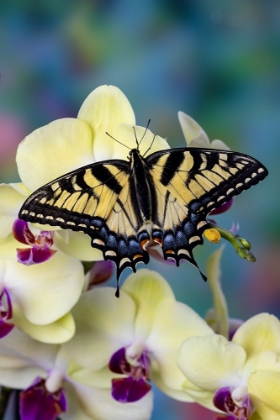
{"x":205,"y":178}
{"x":80,"y":200}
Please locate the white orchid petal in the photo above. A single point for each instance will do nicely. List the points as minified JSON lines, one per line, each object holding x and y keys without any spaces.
{"x":211,"y":362}
{"x":192,"y":130}
{"x":99,"y":404}
{"x":148,"y":289}
{"x":178,"y":394}
{"x":20,"y":188}
{"x":56,"y":332}
{"x":219,"y":145}
{"x":172,"y":324}
{"x":104,"y":108}
{"x":54,"y":150}
{"x":259,"y":333}
{"x":45,"y":292}
{"x":10,"y":203}
{"x":264,"y":391}
{"x":78,"y":245}
{"x":268,"y":360}
{"x":8,"y":248}
{"x":104,"y":324}
{"x":19,"y":351}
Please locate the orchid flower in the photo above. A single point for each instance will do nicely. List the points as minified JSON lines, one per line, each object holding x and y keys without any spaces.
{"x":39,"y":301}
{"x":134,"y":340}
{"x":49,"y":389}
{"x":238,"y":377}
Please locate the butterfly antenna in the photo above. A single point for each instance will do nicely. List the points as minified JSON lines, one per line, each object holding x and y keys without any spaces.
{"x":150,"y":145}
{"x":117,"y":140}
{"x":134,"y":131}
{"x":145,"y":132}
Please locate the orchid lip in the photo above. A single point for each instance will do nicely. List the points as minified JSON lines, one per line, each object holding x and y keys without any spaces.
{"x":135,"y":385}
{"x":36,"y":402}
{"x":224,"y":401}
{"x":40,"y":244}
{"x":5,"y":313}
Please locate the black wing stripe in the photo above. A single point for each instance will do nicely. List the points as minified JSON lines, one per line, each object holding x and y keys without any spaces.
{"x":173,"y":163}
{"x":105,"y":177}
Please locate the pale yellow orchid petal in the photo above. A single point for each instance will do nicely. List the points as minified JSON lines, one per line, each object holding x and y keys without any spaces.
{"x":192,"y":131}
{"x":44,"y":292}
{"x":54,"y":150}
{"x":10,"y":203}
{"x":259,"y":333}
{"x":21,"y":188}
{"x":219,"y":145}
{"x":268,"y":360}
{"x":104,"y":324}
{"x":56,"y":332}
{"x":177,"y":394}
{"x":74,"y":410}
{"x":211,"y":362}
{"x":8,"y":247}
{"x":18,"y":350}
{"x":20,"y":378}
{"x":101,"y":378}
{"x":78,"y":245}
{"x":264,"y":391}
{"x":102,"y":110}
{"x":98,"y":404}
{"x":147,"y":289}
{"x":173,"y":322}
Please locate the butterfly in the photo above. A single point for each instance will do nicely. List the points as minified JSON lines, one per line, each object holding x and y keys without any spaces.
{"x":164,"y":197}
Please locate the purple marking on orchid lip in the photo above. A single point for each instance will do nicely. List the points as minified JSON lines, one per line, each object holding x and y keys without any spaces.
{"x":40,"y":244}
{"x":224,"y":402}
{"x":5,"y":313}
{"x":223,"y":208}
{"x":128,"y":390}
{"x":19,"y":231}
{"x":37,"y":403}
{"x":118,"y":363}
{"x":5,"y":328}
{"x":29,"y":256}
{"x":135,"y":385}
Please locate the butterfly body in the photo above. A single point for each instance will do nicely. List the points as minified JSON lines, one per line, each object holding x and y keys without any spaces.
{"x":141,"y":184}
{"x":164,"y":197}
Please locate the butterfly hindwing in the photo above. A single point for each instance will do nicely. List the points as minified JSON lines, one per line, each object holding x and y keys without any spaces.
{"x":189,"y":183}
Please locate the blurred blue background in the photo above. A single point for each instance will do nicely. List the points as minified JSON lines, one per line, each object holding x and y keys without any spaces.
{"x":218,"y":61}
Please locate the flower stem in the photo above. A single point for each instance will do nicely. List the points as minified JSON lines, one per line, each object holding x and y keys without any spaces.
{"x":241,"y":245}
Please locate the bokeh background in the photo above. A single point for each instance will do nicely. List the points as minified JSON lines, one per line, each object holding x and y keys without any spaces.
{"x":217,"y":60}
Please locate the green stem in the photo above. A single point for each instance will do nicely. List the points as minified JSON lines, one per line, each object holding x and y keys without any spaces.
{"x":241,"y":245}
